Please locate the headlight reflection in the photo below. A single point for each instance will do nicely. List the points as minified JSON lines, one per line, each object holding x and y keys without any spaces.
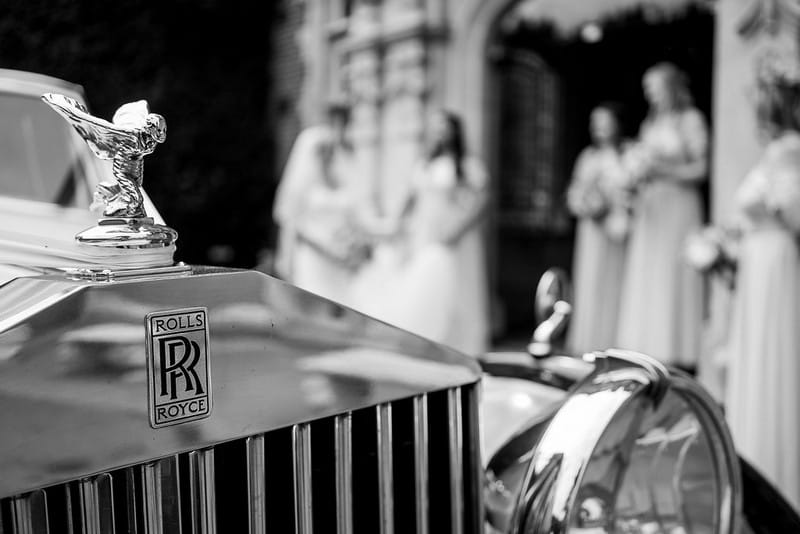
{"x":660,"y":479}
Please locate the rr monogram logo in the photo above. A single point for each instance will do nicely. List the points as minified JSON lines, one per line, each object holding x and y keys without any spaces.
{"x":173,"y":367}
{"x":178,"y":366}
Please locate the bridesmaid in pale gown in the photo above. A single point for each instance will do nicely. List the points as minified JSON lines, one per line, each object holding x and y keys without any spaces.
{"x":661,"y":308}
{"x":597,"y":196}
{"x":314,"y":207}
{"x":763,"y":397}
{"x":430,"y":278}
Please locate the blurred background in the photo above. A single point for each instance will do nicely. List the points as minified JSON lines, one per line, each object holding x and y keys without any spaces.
{"x":237,"y":81}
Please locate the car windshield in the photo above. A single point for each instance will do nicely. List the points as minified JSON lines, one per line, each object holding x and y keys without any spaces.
{"x":39,"y":158}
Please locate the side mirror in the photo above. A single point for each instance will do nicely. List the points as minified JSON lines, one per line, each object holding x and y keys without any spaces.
{"x":553,"y":309}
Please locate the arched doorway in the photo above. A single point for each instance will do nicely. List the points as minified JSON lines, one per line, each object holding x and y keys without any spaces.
{"x":545,"y":76}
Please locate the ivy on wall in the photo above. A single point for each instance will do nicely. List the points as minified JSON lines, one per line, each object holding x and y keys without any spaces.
{"x":203,"y":64}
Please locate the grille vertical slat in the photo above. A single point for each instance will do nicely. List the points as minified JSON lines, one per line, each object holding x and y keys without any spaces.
{"x":162,"y":509}
{"x":385,"y":468}
{"x":343,"y":429}
{"x":201,"y":492}
{"x":473,"y":467}
{"x":90,"y":506}
{"x":421,"y":462}
{"x":455,"y":443}
{"x":256,"y":484}
{"x":151,"y":484}
{"x":97,"y":505}
{"x":29,"y":514}
{"x":301,"y":456}
{"x":133,"y":508}
{"x":70,"y":510}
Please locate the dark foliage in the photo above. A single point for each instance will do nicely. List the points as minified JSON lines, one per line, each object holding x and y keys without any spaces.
{"x":201,"y":64}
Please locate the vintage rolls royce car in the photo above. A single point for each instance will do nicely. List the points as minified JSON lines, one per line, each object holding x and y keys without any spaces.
{"x":142,"y":395}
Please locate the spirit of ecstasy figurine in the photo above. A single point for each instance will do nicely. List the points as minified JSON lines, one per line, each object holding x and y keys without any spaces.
{"x":132,"y":134}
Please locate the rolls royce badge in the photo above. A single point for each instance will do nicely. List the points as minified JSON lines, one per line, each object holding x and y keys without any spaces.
{"x":178,"y":367}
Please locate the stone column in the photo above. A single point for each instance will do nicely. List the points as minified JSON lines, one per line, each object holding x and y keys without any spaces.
{"x":745,"y":29}
{"x":405,"y":86}
{"x":363,"y":76}
{"x":401,"y":14}
{"x":389,"y":77}
{"x":312,"y":41}
{"x":365,"y":20}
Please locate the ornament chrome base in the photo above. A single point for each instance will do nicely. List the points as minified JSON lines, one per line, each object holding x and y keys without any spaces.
{"x":128,"y":232}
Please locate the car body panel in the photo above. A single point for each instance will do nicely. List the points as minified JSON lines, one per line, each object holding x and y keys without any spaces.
{"x":73,"y":381}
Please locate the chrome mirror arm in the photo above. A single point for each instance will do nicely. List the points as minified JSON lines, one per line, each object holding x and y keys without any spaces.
{"x":552,"y":310}
{"x":549,"y":330}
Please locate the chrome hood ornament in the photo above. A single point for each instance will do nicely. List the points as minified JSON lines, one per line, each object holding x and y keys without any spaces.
{"x":133,"y":133}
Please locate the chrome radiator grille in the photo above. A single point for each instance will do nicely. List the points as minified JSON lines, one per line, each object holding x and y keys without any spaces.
{"x":407,"y":466}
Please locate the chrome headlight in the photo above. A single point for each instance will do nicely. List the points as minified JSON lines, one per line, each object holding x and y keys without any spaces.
{"x":634,"y":449}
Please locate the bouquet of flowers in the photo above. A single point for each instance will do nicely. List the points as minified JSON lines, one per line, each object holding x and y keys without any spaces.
{"x":637,"y":160}
{"x":354,"y":247}
{"x":589,"y":200}
{"x":341,"y":242}
{"x":617,"y":223}
{"x":713,"y":251}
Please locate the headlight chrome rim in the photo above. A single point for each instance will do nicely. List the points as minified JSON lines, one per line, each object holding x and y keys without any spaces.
{"x":549,"y":491}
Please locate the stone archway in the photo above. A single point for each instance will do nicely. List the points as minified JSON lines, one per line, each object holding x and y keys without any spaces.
{"x":474,"y":89}
{"x":468,"y":87}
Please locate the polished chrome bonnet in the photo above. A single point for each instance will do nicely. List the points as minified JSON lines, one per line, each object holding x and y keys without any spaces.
{"x":74,"y":377}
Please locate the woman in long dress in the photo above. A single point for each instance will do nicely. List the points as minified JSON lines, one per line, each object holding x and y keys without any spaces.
{"x":314,"y":208}
{"x":763,"y":396}
{"x":431,"y":280}
{"x":598,"y":197}
{"x":661,"y":308}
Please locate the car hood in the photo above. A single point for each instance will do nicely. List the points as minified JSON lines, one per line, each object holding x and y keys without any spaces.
{"x":35,"y":235}
{"x":74,"y":382}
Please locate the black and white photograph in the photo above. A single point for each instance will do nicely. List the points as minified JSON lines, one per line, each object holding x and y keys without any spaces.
{"x":400,"y":267}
